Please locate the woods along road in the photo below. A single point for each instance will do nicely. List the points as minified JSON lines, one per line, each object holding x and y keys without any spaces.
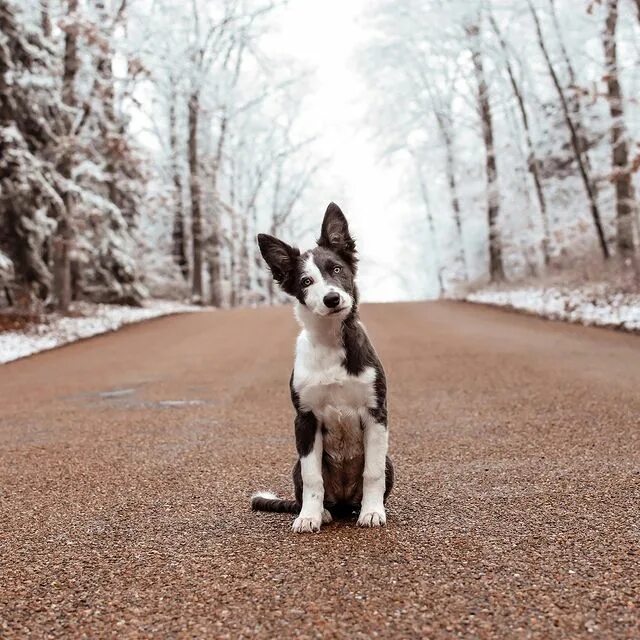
{"x":127,"y":462}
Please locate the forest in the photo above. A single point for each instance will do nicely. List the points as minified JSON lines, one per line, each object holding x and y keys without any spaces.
{"x":521,"y":120}
{"x":144,"y":143}
{"x":138,"y":141}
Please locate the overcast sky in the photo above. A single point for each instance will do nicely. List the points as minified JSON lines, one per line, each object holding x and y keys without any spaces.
{"x":326,"y":37}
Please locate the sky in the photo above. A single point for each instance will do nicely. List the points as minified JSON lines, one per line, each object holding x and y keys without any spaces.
{"x":326,"y":36}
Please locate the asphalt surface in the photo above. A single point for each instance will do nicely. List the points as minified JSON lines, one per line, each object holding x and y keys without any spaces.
{"x":127,"y":462}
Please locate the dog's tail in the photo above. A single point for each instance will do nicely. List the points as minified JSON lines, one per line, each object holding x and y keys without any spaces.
{"x":265,"y":501}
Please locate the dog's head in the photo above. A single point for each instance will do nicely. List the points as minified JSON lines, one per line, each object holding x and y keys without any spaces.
{"x":322,"y":279}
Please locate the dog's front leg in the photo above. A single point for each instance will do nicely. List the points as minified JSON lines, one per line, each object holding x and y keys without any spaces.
{"x":309,"y":445}
{"x":376,"y":439}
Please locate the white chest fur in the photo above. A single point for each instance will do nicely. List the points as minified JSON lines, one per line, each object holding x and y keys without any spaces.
{"x":337,"y":399}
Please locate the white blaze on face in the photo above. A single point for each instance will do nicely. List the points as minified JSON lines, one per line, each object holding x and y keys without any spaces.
{"x":315,"y":292}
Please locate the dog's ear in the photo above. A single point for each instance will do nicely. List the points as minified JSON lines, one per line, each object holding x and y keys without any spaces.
{"x":280,"y":257}
{"x":335,"y":235}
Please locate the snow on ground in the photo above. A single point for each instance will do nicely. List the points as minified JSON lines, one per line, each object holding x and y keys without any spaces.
{"x":92,"y":320}
{"x":587,"y":304}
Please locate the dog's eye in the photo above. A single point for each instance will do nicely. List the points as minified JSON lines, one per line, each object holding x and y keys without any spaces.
{"x":306,"y":282}
{"x":337,"y":269}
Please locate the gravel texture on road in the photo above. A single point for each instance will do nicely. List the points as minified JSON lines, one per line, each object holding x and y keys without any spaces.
{"x":127,"y":462}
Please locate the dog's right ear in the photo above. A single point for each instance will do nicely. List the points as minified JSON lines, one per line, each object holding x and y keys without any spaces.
{"x":280,"y":257}
{"x":335,"y":235}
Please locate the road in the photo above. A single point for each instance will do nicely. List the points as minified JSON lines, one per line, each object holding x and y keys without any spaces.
{"x":127,"y":462}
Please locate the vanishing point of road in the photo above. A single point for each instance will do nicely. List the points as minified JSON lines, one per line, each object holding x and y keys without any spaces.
{"x":127,"y":462}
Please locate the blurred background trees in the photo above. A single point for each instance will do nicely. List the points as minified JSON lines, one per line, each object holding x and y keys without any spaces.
{"x":523,"y":120}
{"x":143,"y":143}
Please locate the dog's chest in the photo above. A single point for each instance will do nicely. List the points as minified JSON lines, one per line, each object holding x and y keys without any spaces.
{"x":336,"y":398}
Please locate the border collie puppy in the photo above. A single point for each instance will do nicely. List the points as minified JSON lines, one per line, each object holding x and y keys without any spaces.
{"x":338,"y":386}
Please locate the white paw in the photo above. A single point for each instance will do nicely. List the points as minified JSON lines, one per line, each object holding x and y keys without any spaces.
{"x":372,"y":517}
{"x":326,"y":517}
{"x":307,"y":524}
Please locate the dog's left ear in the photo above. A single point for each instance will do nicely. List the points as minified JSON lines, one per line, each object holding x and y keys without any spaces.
{"x":335,"y":235}
{"x":279,"y":256}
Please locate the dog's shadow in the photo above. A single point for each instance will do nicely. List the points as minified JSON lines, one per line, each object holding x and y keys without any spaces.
{"x":343,"y":513}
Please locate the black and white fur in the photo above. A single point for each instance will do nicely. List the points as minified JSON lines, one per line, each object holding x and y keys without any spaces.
{"x":338,"y":386}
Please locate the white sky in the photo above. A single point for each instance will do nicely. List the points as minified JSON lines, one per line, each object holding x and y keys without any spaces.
{"x":326,"y":36}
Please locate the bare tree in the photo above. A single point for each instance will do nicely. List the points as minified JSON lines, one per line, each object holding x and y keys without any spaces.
{"x":426,"y":201}
{"x":574,"y":135}
{"x":441,"y":107}
{"x":446,"y":130}
{"x":104,"y":88}
{"x":194,"y":190}
{"x":533,"y":163}
{"x":215,"y":241}
{"x":225,"y":43}
{"x":179,"y":250}
{"x":496,"y":268}
{"x":625,"y":199}
{"x":45,"y":18}
{"x":64,"y":232}
{"x":574,"y":97}
{"x":248,"y":212}
{"x":228,"y":111}
{"x":207,"y":48}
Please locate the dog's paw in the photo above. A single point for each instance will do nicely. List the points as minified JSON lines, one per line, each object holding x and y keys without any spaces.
{"x":307,"y":524}
{"x":327,"y":518}
{"x":372,"y":518}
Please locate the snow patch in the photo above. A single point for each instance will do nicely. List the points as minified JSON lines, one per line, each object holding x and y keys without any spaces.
{"x":95,"y":319}
{"x":589,"y":305}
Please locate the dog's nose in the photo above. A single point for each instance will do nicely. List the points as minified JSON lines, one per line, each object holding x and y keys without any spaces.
{"x":332,"y":300}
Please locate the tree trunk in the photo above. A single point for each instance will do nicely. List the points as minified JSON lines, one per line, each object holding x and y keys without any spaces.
{"x":71,"y":61}
{"x":563,"y":48}
{"x":424,"y":193}
{"x":625,"y":200}
{"x":179,"y":251}
{"x":245,"y":272}
{"x":256,"y":270}
{"x":196,"y":209}
{"x":234,"y":239}
{"x":215,"y":262}
{"x":533,"y":164}
{"x":573,"y":100}
{"x":575,"y":139}
{"x":215,"y":267}
{"x":496,"y":268}
{"x":45,"y":18}
{"x":453,"y":188}
{"x":106,"y":92}
{"x":64,"y":233}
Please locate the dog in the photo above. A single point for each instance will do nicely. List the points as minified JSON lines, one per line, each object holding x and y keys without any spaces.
{"x":338,"y":386}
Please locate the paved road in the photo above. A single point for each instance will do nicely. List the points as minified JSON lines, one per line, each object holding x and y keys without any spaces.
{"x":126,"y":463}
